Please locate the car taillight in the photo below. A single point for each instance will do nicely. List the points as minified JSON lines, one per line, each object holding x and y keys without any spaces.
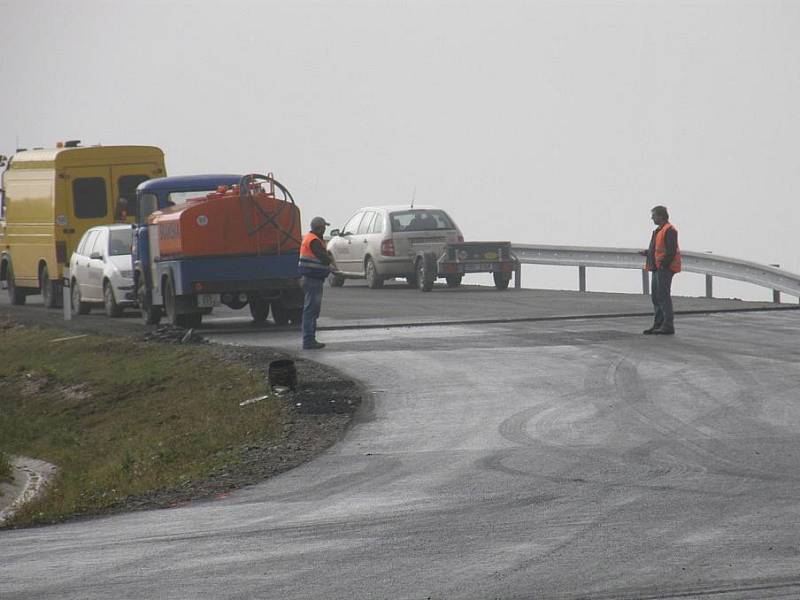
{"x":387,"y":247}
{"x":61,"y":253}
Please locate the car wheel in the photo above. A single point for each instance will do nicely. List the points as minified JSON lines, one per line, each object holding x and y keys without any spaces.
{"x":113,"y":309}
{"x":151,"y":315}
{"x":424,"y":274}
{"x":454,"y":281}
{"x":50,"y":290}
{"x":259,"y":309}
{"x":374,"y":280}
{"x":77,"y":306}
{"x":279,"y":313}
{"x":15,"y":295}
{"x":336,"y":280}
{"x":501,"y":280}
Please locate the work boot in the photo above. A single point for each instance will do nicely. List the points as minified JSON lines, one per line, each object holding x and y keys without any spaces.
{"x":664,"y":331}
{"x":315,"y":345}
{"x":651,"y":330}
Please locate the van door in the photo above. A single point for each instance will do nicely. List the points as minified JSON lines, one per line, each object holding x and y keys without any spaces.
{"x":124,"y":180}
{"x":88,"y":202}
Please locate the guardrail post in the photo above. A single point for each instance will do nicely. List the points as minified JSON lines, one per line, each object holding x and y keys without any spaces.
{"x":67,"y":295}
{"x":776,"y":295}
{"x":581,"y":278}
{"x":709,"y":286}
{"x":645,"y":282}
{"x":518,"y":277}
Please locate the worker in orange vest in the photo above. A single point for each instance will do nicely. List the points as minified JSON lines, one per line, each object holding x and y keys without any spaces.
{"x":663,"y":261}
{"x":314,"y":266}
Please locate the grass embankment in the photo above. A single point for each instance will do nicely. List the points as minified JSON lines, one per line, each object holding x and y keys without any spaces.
{"x":120,"y":417}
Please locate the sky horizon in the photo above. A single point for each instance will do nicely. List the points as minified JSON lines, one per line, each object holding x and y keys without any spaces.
{"x":553,"y":122}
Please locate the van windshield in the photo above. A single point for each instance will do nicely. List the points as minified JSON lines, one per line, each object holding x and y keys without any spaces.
{"x":420,"y":220}
{"x":119,"y":242}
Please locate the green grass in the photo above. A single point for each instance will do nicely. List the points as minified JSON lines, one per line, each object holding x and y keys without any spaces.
{"x":120,"y":417}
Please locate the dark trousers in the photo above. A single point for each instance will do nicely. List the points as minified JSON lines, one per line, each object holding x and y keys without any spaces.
{"x":660,"y":293}
{"x":312,"y":287}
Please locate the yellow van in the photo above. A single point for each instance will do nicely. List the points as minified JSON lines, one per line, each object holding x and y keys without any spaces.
{"x":50,"y":197}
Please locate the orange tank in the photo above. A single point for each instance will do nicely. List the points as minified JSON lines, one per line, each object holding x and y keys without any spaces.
{"x":224,"y":223}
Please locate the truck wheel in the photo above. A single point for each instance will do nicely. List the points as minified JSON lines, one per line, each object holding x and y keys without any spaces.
{"x":454,"y":281}
{"x":113,"y":309}
{"x":50,"y":290}
{"x":170,"y":304}
{"x":501,"y":280}
{"x":374,"y":280}
{"x":259,"y":309}
{"x":425,"y":275}
{"x":15,"y":295}
{"x":336,"y":280}
{"x":279,"y":313}
{"x":77,"y":307}
{"x":151,"y":315}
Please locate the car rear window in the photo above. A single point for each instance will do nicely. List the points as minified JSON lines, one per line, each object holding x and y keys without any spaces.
{"x":420,"y":220}
{"x":120,"y":242}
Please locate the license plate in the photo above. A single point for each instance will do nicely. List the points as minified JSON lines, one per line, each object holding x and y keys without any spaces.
{"x":207,"y":300}
{"x":478,"y":267}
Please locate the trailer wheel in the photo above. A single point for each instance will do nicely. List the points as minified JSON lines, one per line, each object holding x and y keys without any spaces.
{"x":259,"y":309}
{"x":454,"y":281}
{"x":374,"y":280}
{"x":50,"y":290}
{"x":501,"y":280}
{"x":425,"y":273}
{"x":15,"y":295}
{"x":151,"y":315}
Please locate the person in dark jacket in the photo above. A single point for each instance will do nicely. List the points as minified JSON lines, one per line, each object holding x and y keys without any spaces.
{"x":314,"y":266}
{"x":663,"y":261}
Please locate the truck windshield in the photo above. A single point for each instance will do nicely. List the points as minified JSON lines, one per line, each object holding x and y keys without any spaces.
{"x":178,"y":198}
{"x":119,"y":242}
{"x":420,"y":220}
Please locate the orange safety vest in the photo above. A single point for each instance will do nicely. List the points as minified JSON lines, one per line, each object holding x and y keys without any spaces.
{"x":309,"y":265}
{"x":660,"y":250}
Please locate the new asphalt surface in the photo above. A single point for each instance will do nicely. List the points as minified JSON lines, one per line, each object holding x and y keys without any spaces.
{"x":528,"y":445}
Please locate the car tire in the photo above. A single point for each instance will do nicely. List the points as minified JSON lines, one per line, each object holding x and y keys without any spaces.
{"x":336,"y":280}
{"x":259,"y":310}
{"x":374,"y":280}
{"x":501,"y":280}
{"x":77,"y":306}
{"x":16,"y":296}
{"x":113,"y":310}
{"x":454,"y":281}
{"x":50,"y":290}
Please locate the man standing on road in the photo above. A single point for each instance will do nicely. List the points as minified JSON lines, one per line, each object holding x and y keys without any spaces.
{"x":663,"y":260}
{"x":314,"y":266}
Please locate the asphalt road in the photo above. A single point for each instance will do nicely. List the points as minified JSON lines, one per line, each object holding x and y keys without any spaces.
{"x":570,"y":458}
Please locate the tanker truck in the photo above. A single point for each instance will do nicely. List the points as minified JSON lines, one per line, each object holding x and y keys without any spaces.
{"x":207,"y":240}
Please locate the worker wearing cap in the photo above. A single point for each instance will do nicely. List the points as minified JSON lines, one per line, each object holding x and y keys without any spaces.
{"x":314,"y":266}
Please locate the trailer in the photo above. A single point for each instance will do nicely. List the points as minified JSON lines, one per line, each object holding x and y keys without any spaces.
{"x":208,"y":240}
{"x":455,"y":259}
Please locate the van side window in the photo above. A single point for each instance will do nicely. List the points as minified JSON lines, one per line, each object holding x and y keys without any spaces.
{"x":127,"y":185}
{"x":90,"y":198}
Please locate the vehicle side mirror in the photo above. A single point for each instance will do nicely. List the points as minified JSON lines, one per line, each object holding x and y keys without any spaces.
{"x":334,"y":232}
{"x":95,"y":256}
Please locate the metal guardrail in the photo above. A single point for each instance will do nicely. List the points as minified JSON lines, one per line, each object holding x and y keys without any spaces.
{"x":711,"y":265}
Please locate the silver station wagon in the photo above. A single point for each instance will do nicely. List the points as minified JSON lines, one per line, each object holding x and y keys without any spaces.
{"x":376,"y":242}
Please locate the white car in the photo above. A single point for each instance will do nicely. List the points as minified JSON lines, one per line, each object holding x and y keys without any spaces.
{"x":376,"y":243}
{"x":101,"y":270}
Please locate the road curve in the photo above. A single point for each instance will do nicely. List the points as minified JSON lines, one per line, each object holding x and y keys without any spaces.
{"x":574,"y":459}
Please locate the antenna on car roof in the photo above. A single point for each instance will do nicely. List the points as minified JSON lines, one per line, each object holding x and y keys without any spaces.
{"x":413,"y":196}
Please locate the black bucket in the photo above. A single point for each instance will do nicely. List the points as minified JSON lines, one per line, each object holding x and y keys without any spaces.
{"x":283,"y":373}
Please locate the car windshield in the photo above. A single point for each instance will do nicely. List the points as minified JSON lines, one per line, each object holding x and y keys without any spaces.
{"x":420,"y":220}
{"x":119,"y":242}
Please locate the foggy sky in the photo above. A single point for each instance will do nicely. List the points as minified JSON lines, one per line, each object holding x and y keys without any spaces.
{"x":559,"y":122}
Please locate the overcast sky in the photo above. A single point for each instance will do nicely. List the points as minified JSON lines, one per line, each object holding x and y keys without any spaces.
{"x":559,"y":122}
